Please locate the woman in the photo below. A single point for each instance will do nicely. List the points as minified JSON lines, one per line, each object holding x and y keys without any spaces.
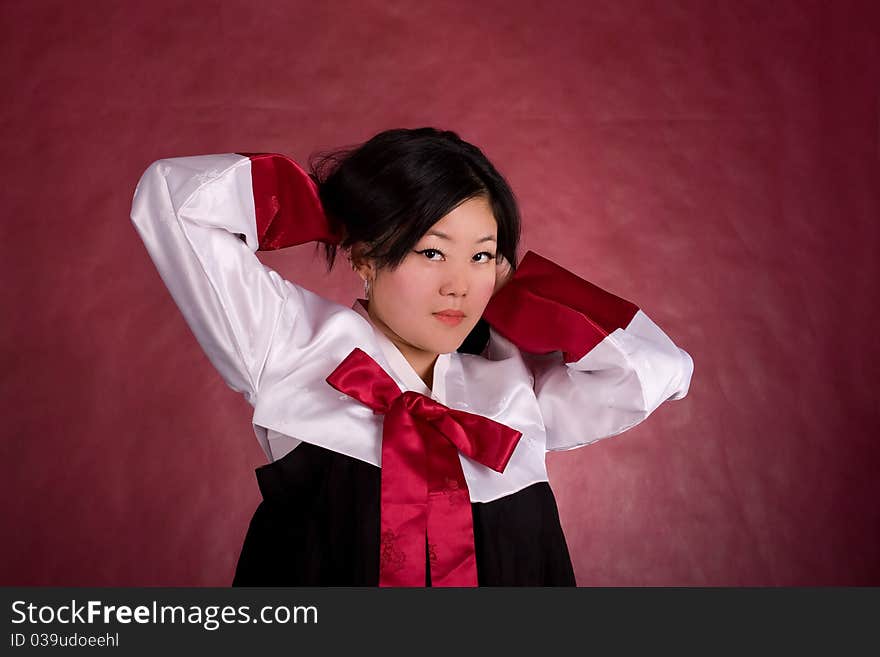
{"x":406,"y":435}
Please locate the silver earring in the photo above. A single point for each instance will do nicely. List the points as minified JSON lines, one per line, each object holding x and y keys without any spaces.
{"x":366,"y":288}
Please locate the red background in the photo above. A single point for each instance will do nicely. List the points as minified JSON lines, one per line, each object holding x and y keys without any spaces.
{"x":714,"y":162}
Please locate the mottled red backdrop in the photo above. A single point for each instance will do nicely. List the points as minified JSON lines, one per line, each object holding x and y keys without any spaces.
{"x":714,"y":162}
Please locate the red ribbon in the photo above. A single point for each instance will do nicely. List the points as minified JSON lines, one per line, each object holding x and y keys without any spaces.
{"x":424,"y":495}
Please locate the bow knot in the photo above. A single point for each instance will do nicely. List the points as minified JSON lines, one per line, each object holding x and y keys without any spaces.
{"x":421,"y":439}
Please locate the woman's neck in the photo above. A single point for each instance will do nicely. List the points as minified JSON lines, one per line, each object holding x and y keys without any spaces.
{"x":421,"y":361}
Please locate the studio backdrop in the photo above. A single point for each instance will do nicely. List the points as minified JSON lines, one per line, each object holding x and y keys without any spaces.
{"x":716,"y":163}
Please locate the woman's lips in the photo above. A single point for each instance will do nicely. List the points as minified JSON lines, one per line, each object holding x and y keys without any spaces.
{"x":449,"y":319}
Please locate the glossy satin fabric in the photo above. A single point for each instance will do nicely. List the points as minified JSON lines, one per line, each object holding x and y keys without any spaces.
{"x":423,"y":490}
{"x":275,"y":342}
{"x":542,"y":294}
{"x":286,"y":204}
{"x":301,"y":536}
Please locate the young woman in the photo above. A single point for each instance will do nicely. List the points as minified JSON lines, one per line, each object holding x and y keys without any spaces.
{"x":406,"y":435}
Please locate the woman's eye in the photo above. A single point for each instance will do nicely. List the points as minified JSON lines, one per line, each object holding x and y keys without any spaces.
{"x":428,"y":253}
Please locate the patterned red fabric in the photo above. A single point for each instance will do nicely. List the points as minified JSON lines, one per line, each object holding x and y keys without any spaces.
{"x":545,"y":308}
{"x":424,"y":496}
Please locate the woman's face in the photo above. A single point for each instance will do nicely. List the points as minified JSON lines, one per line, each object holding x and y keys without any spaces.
{"x":451,"y":268}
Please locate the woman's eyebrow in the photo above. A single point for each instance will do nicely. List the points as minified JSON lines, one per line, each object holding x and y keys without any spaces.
{"x":444,"y":236}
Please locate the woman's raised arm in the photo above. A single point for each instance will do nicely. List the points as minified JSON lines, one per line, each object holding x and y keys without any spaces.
{"x":600,"y":364}
{"x":202,"y":219}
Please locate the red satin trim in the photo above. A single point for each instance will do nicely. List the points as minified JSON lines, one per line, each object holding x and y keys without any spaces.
{"x":544,"y":308}
{"x":424,"y":495}
{"x":288,"y":208}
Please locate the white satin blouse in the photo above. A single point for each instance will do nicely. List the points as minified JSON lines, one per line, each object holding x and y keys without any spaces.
{"x":275,"y":342}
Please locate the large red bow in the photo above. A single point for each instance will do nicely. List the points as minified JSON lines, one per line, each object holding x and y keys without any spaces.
{"x":424,"y":495}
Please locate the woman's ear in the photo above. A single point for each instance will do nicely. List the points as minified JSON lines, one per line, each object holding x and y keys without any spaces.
{"x":364,"y":266}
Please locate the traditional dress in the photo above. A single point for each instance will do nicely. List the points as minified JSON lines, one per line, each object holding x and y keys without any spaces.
{"x":560,"y":364}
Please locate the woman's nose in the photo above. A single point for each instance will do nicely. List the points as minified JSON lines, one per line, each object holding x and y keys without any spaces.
{"x":456,"y":283}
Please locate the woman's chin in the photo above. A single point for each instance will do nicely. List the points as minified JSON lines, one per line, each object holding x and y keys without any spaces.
{"x":445,"y":346}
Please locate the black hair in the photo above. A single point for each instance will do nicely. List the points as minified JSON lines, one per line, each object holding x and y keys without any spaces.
{"x":390,"y":190}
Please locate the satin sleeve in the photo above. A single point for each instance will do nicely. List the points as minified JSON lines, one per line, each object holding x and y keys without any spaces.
{"x":197,"y":219}
{"x":599,"y":364}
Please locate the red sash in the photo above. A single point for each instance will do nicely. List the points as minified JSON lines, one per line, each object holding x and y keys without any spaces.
{"x":423,"y":492}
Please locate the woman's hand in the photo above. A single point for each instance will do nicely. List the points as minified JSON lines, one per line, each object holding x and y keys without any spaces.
{"x":503,"y":273}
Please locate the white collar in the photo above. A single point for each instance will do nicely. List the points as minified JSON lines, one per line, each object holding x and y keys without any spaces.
{"x":401,"y":365}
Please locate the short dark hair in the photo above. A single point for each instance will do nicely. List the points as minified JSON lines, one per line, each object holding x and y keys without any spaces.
{"x":390,"y":190}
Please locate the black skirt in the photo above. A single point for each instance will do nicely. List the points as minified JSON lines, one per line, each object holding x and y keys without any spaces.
{"x":318,"y":525}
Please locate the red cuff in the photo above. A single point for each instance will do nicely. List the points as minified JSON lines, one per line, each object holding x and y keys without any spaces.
{"x":288,"y":209}
{"x":545,"y":308}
